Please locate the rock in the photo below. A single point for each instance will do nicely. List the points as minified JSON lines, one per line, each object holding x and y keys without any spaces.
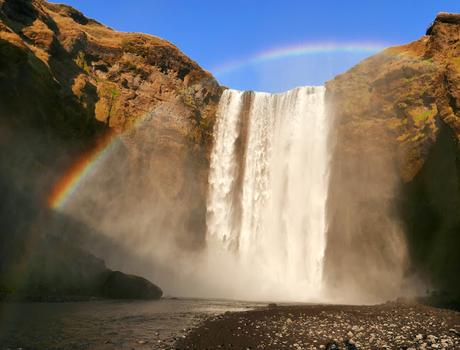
{"x":83,"y":83}
{"x":397,"y":113}
{"x":332,"y":346}
{"x":350,"y":345}
{"x":118,"y":285}
{"x":431,"y":339}
{"x":446,"y":17}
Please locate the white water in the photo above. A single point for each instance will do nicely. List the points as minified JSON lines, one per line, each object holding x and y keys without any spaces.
{"x":268,"y":189}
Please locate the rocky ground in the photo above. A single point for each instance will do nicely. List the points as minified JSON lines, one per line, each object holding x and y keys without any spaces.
{"x":386,"y":326}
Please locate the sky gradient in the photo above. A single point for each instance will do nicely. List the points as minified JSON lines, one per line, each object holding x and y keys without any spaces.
{"x":217,"y":33}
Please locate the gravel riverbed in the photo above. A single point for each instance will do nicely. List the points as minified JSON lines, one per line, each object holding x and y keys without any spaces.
{"x":330,"y":327}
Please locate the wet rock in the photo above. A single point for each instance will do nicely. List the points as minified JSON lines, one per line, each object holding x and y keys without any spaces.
{"x":332,"y":346}
{"x":118,"y":285}
{"x":350,"y":345}
{"x":389,"y":326}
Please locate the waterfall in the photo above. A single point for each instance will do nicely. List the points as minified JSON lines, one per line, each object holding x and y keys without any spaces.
{"x":268,"y":187}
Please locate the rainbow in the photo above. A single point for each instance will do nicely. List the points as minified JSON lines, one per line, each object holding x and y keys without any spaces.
{"x":298,"y":51}
{"x":79,"y":170}
{"x":88,"y":161}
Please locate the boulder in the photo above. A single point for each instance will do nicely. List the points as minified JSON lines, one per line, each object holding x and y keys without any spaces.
{"x":118,"y":285}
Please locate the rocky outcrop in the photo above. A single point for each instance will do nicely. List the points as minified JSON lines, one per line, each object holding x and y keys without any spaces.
{"x":66,"y":81}
{"x":118,"y":285}
{"x":395,"y":166}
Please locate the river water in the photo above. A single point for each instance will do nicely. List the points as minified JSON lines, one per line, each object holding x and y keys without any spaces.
{"x":106,"y":324}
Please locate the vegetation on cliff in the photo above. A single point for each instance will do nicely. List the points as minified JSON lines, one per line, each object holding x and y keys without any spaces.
{"x":67,"y":80}
{"x":397,"y":129}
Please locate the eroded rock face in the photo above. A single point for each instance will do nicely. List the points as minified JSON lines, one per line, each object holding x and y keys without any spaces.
{"x":65,"y":82}
{"x":118,"y":285}
{"x":394,"y":176}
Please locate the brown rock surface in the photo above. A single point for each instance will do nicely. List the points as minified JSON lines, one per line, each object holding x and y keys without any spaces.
{"x":116,"y":77}
{"x":395,"y":166}
{"x":65,"y":81}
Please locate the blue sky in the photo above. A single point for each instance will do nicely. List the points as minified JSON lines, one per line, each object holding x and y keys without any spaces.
{"x":214,"y":32}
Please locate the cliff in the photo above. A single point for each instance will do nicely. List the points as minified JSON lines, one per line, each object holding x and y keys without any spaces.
{"x":397,"y":128}
{"x":66,"y":81}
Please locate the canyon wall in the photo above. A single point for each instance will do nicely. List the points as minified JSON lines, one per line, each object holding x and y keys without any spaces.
{"x":394,"y":172}
{"x":66,"y":81}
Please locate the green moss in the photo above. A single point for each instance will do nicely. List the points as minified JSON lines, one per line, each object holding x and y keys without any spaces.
{"x":81,"y":62}
{"x":187,"y":96}
{"x":206,"y":124}
{"x":131,"y":66}
{"x":403,"y":137}
{"x":135,"y":46}
{"x":113,"y":92}
{"x":428,"y":60}
{"x":456,"y":63}
{"x":423,"y":115}
{"x":418,"y":137}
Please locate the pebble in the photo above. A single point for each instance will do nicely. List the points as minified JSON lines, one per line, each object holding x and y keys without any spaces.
{"x":388,"y":326}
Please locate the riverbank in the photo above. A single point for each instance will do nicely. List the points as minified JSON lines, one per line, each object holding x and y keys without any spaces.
{"x":107,"y":324}
{"x":387,"y":326}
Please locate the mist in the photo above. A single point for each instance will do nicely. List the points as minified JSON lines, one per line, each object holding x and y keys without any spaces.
{"x":367,"y":256}
{"x":146,"y":203}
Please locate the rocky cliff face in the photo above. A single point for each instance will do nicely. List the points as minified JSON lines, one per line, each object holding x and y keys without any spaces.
{"x":395,"y":167}
{"x":65,"y":82}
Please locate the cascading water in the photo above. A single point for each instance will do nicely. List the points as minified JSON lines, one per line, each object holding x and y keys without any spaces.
{"x":268,"y":188}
